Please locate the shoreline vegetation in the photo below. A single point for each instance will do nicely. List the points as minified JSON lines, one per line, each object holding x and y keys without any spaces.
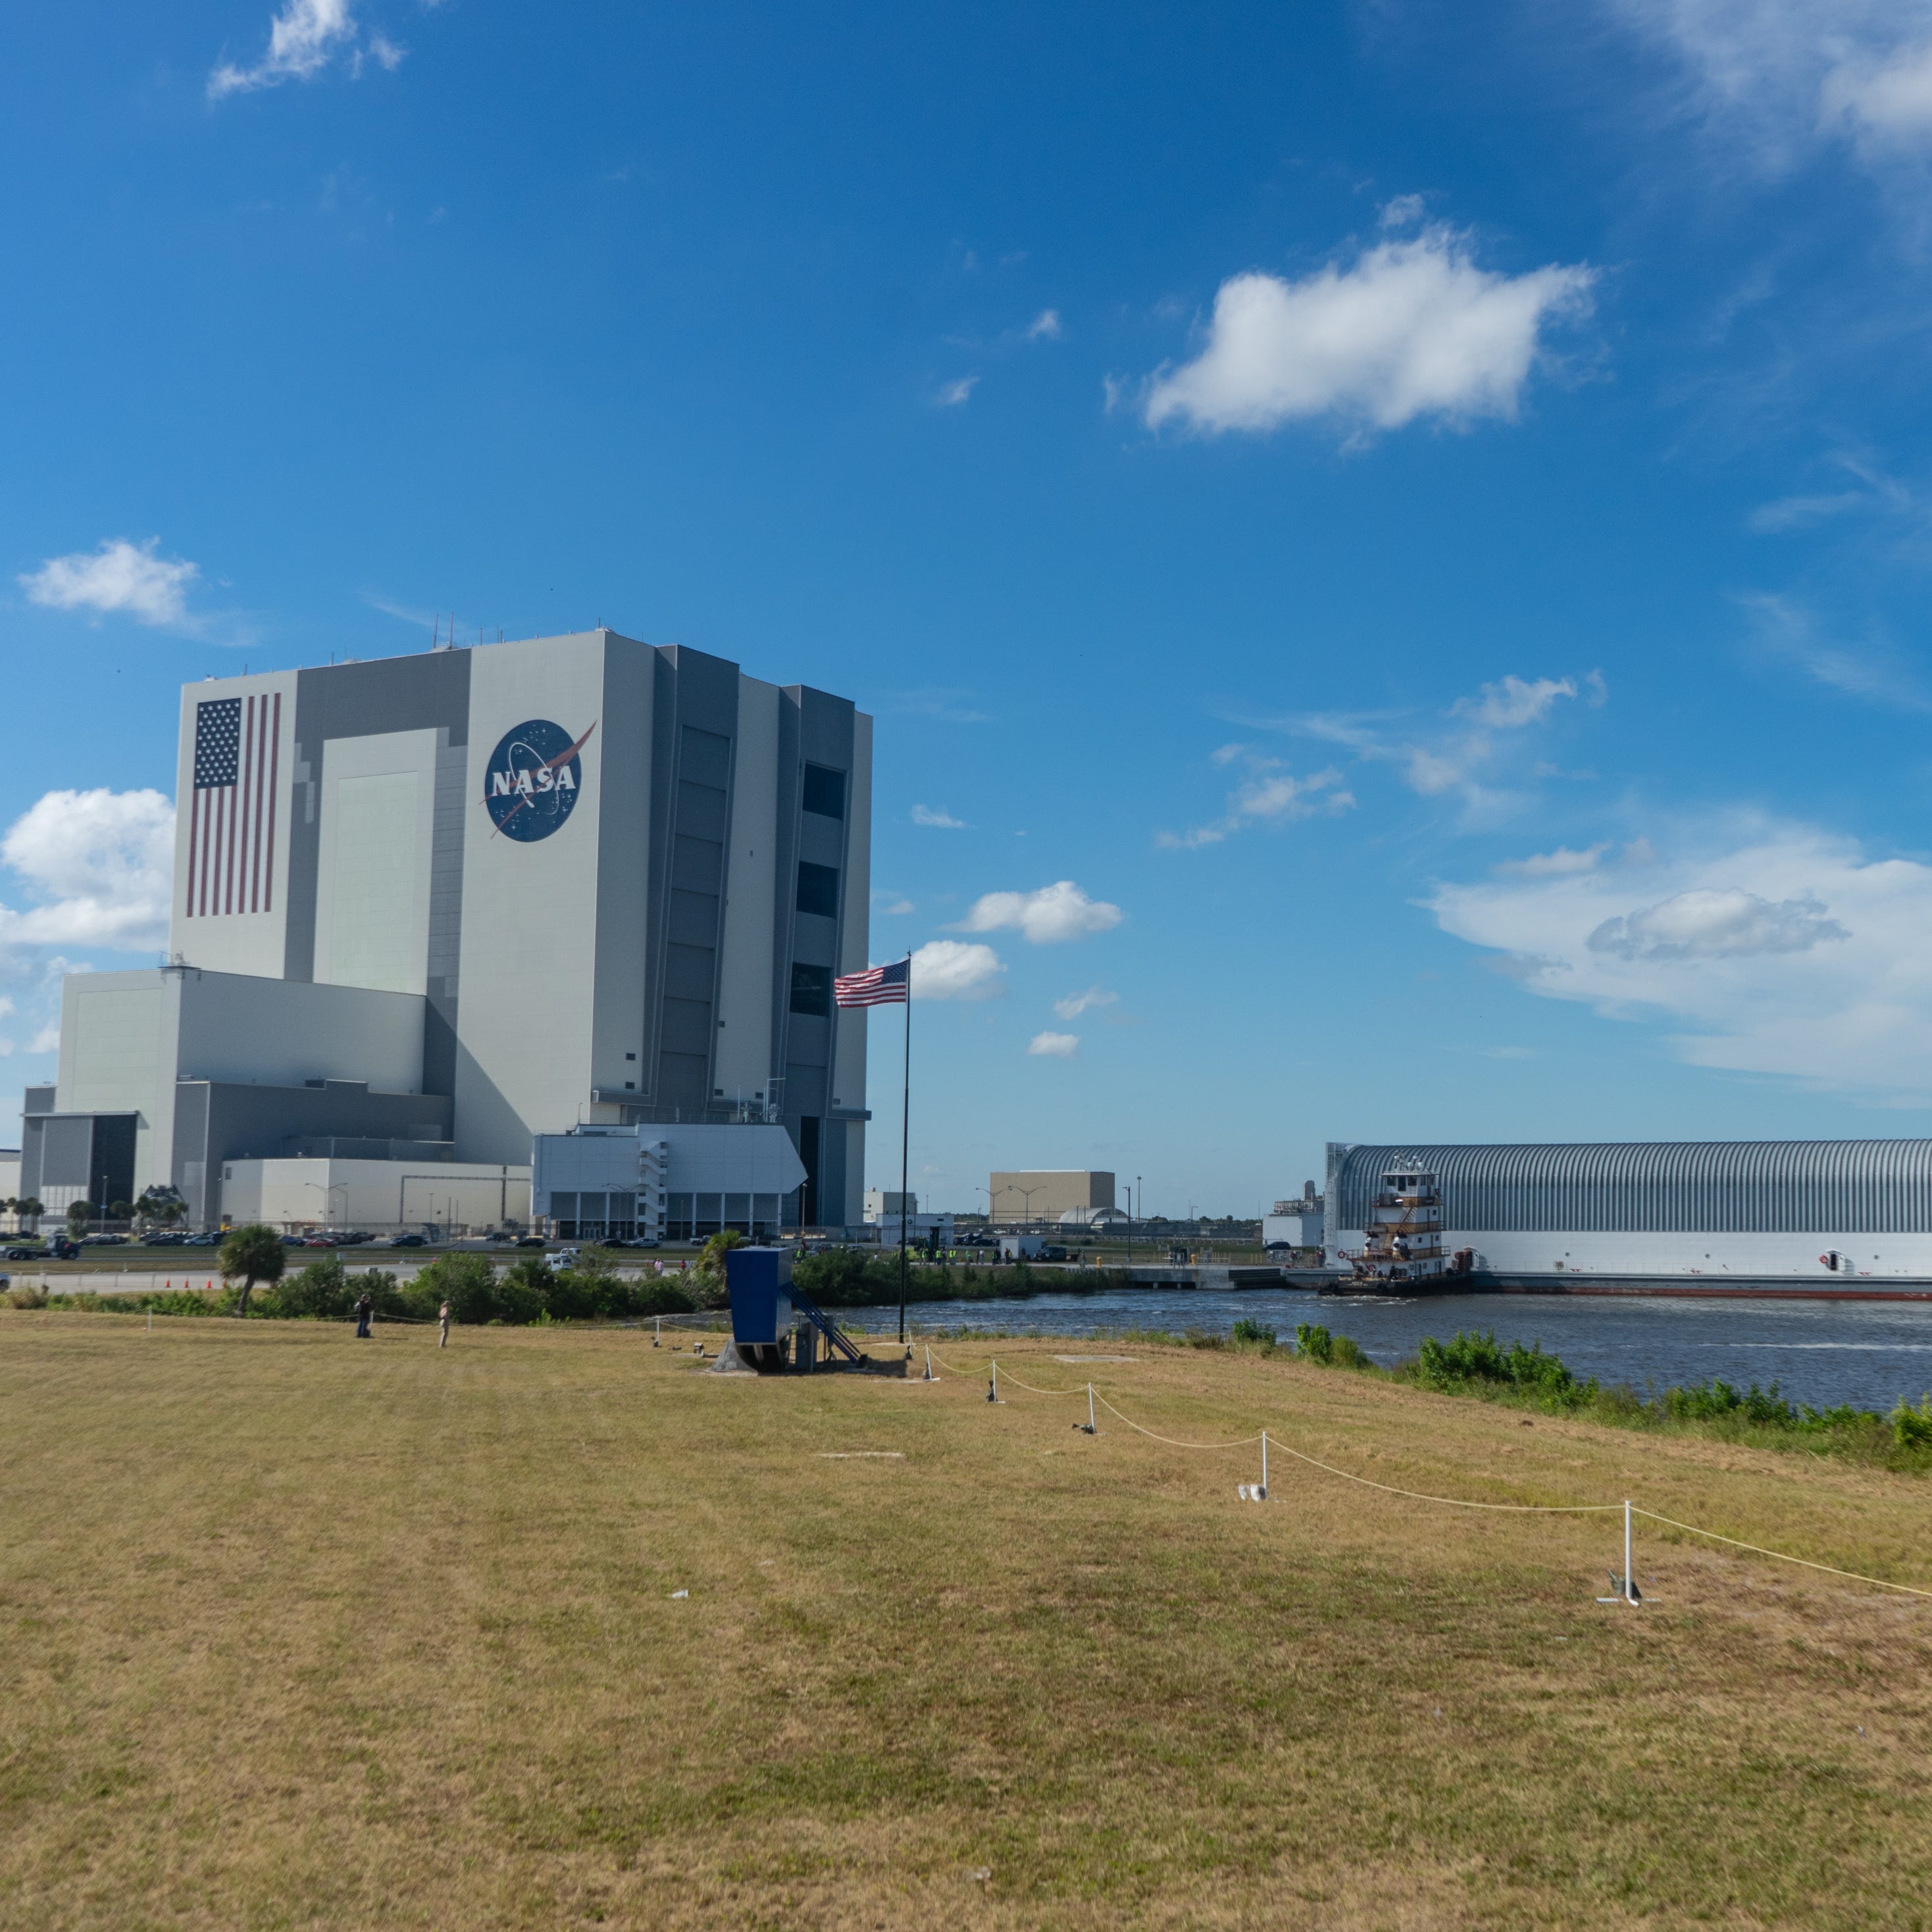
{"x":1473,"y":1365}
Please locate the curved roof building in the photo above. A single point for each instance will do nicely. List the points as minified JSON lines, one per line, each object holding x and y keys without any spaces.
{"x":1647,"y":1208}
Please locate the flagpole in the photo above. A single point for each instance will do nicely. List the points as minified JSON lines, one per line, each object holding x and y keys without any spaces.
{"x":905,"y":1144}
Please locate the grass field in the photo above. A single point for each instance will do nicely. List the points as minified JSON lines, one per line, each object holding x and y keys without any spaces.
{"x":303,"y":1631}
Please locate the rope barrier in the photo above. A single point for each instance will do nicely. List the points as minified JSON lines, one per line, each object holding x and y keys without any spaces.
{"x":1239,"y":1442}
{"x":1758,"y":1549}
{"x":1463,"y":1502}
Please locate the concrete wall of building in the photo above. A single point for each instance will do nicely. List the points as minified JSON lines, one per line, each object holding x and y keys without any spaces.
{"x":372,"y":898}
{"x":216,"y":1123}
{"x":620,"y":1027}
{"x":282,"y":1032}
{"x":529,"y":909}
{"x":372,"y":1195}
{"x":1044,"y":1194}
{"x":232,"y":894}
{"x":744,"y":1062}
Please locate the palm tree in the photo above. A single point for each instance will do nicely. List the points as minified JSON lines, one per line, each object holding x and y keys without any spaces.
{"x":256,"y":1253}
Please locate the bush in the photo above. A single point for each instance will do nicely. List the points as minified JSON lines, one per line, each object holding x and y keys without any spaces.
{"x":320,"y":1292}
{"x":1248,"y":1334}
{"x":1703,"y":1400}
{"x":1912,"y":1428}
{"x":1451,"y":1366}
{"x":1313,"y":1343}
{"x":27,"y":1297}
{"x":469,"y":1284}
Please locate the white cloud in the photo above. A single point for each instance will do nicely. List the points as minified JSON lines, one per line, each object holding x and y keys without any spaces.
{"x":1782,"y":75}
{"x":1708,"y":923}
{"x":1056,"y":912}
{"x":1412,"y":328}
{"x":99,"y":863}
{"x":1046,"y":327}
{"x":1075,"y":1004}
{"x":926,"y":814}
{"x":384,"y":52}
{"x":303,"y":38}
{"x":1514,"y":702}
{"x":952,"y":394}
{"x":120,"y":576}
{"x":1462,"y":762}
{"x":1778,"y":948}
{"x":1054,"y":1045}
{"x":891,"y":905}
{"x":1555,"y":865}
{"x":951,"y":969}
{"x":1269,"y":795}
{"x":1874,"y":671}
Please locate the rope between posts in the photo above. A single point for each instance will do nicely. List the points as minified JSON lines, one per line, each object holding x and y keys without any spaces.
{"x":1758,"y":1549}
{"x":1461,"y":1502}
{"x":1239,"y":1442}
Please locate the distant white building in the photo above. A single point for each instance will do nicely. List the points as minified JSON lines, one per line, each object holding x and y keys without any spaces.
{"x":680,"y":1182}
{"x":377,"y":1194}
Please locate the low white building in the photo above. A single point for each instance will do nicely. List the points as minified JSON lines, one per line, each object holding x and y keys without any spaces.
{"x":679,"y":1182}
{"x":377,"y":1196}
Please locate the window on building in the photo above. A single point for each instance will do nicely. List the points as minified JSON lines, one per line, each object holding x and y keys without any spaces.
{"x":825,"y":791}
{"x":818,"y":888}
{"x":812,"y":989}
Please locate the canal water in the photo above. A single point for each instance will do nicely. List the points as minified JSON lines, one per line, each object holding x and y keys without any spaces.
{"x":1869,"y":1353}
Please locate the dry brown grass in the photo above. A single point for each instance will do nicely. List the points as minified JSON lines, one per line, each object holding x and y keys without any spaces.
{"x":302,"y":1634}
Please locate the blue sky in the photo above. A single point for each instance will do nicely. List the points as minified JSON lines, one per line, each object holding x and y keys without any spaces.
{"x":1388,"y":543}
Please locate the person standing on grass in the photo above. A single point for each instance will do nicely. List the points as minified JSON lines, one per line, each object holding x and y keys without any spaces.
{"x":443,"y":1323}
{"x":365,"y":1310}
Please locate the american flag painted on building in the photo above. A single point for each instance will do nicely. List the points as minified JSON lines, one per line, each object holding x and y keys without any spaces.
{"x":231,"y":837}
{"x":876,"y":986}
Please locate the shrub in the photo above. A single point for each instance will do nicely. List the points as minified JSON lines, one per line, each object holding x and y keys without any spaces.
{"x":320,"y":1292}
{"x":1912,"y":1428}
{"x":467,"y":1282}
{"x":27,"y":1297}
{"x":1248,"y":1334}
{"x":1473,"y":1358}
{"x":1313,"y":1343}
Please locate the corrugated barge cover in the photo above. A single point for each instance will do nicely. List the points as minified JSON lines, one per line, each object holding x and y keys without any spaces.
{"x":1879,"y":1187}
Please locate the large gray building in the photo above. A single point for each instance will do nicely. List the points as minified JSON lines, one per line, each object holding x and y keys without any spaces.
{"x":452,"y":901}
{"x":1769,"y":1211}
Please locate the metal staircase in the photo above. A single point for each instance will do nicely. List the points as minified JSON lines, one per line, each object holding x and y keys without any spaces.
{"x":836,"y":1337}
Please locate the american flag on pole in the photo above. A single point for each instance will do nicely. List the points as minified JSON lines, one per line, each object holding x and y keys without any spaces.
{"x":231,"y":837}
{"x":876,"y":986}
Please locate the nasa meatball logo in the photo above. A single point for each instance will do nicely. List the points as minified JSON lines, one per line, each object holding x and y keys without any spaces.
{"x":533,"y":779}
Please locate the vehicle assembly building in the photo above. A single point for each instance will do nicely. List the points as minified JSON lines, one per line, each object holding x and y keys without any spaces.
{"x":1828,"y":1214}
{"x":426,"y":908}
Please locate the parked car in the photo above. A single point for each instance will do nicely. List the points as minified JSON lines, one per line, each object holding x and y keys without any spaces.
{"x":104,"y":1241}
{"x":203,"y":1241}
{"x":404,"y":1241}
{"x":565,"y":1256}
{"x":354,"y":1239}
{"x":530,"y":1241}
{"x":165,"y":1238}
{"x":294,"y":1241}
{"x":320,"y":1241}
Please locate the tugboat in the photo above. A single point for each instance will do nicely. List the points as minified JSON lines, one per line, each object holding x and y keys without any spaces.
{"x":1402,"y":1246}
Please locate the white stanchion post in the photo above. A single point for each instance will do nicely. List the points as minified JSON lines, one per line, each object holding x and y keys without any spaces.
{"x":657,"y":1339}
{"x":1630,"y":1576}
{"x":928,"y":1365}
{"x":1264,"y":1466}
{"x":1093,"y":1428}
